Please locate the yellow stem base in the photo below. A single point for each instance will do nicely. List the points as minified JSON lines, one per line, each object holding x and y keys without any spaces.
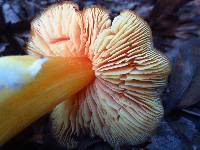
{"x":57,"y":79}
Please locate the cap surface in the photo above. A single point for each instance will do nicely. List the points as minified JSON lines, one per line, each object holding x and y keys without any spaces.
{"x":122,"y":105}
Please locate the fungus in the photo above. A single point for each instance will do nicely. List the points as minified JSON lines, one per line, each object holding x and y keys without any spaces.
{"x":31,"y":87}
{"x":122,"y":104}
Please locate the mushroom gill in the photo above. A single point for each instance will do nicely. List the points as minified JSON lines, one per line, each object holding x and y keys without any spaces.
{"x":122,"y":105}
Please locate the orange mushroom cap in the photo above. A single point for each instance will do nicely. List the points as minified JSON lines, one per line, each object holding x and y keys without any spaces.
{"x":122,"y":105}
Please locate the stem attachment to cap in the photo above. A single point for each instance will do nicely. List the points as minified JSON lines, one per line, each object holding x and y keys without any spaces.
{"x":35,"y":87}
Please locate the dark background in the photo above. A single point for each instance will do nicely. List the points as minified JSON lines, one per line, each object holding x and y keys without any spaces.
{"x":175,"y":26}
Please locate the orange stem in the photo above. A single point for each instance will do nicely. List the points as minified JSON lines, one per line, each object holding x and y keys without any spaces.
{"x":58,"y":79}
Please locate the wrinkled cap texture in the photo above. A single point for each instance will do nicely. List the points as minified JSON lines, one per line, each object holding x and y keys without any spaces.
{"x":122,"y":105}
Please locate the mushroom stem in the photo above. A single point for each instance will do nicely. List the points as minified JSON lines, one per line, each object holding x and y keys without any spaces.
{"x":45,"y":83}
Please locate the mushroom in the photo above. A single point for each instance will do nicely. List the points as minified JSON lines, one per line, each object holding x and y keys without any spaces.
{"x":31,"y":87}
{"x":122,"y":104}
